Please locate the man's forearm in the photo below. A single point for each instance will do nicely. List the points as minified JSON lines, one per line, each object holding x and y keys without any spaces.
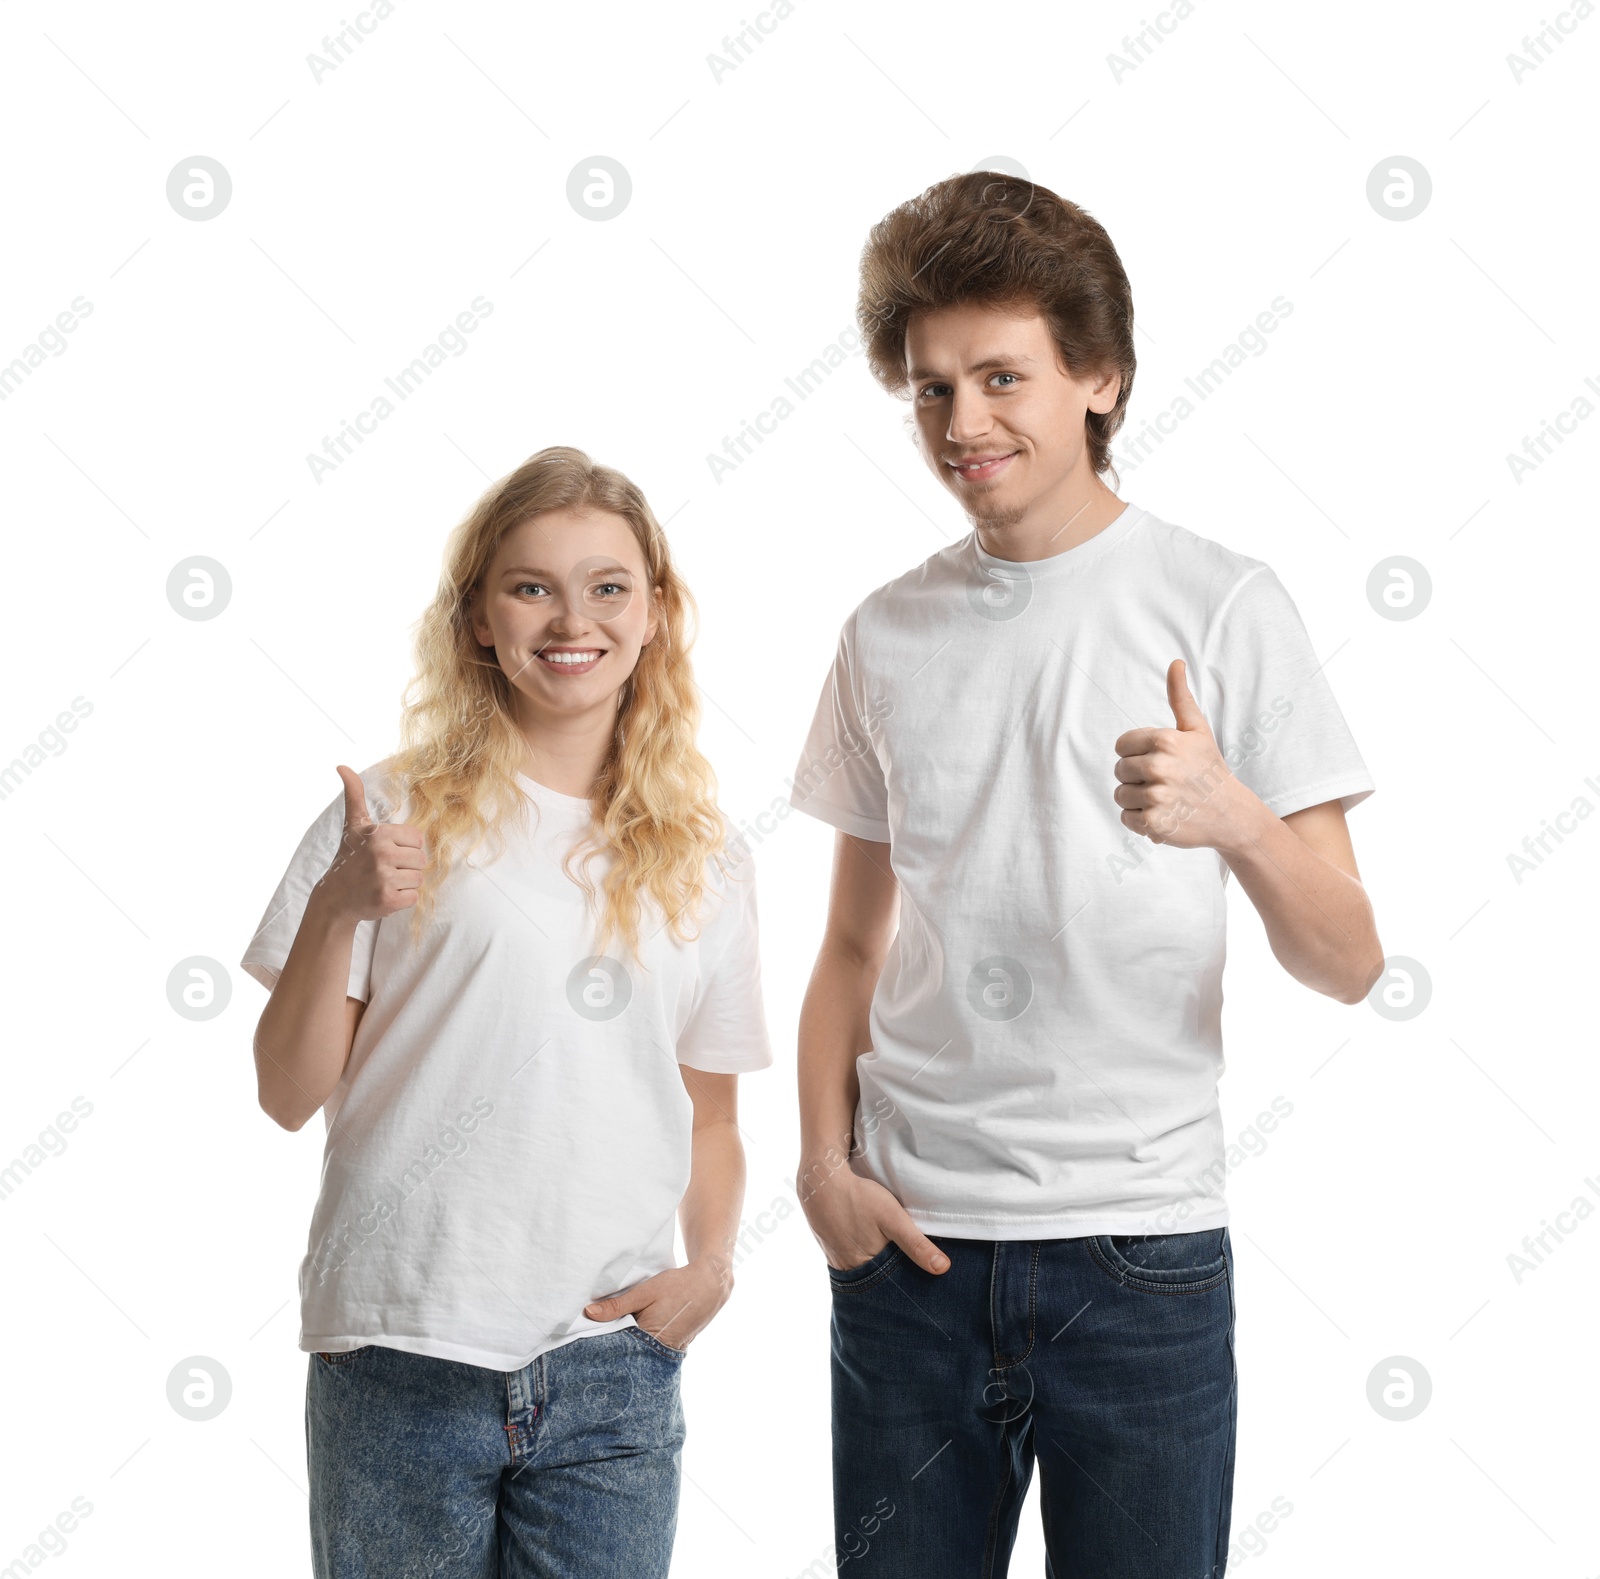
{"x":1319,"y":920}
{"x":834,"y":1030}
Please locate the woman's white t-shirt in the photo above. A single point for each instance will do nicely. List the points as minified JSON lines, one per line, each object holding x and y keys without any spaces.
{"x":1046,"y":1030}
{"x":511,"y":1136}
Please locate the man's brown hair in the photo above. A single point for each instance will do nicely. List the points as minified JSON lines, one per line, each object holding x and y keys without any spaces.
{"x":1006,"y":242}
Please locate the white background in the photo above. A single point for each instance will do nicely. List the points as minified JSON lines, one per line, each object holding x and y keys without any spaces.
{"x":371,"y":207}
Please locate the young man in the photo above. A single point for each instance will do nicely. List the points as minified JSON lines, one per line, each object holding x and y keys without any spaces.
{"x":1045,"y":749}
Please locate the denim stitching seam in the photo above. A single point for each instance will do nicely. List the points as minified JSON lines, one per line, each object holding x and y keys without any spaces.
{"x":994,"y":1307}
{"x":990,"y":1546}
{"x":1128,"y":1280}
{"x":1219,"y":1555}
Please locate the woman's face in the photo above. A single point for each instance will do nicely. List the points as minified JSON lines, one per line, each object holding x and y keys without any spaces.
{"x":566,"y":603}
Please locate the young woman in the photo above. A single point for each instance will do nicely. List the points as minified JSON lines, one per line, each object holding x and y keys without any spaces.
{"x":530,"y":1074}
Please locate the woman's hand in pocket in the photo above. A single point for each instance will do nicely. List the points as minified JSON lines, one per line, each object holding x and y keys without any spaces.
{"x":674,"y":1306}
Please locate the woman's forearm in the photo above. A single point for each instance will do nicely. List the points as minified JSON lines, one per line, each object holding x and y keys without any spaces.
{"x":303,"y":1038}
{"x":709,"y":1211}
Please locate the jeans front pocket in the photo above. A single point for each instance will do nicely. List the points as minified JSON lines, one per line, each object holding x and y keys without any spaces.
{"x":1190,"y":1263}
{"x":870,"y":1272}
{"x":344,"y":1356}
{"x":654,"y":1343}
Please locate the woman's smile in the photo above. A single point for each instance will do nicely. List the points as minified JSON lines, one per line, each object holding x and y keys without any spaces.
{"x":570,"y":660}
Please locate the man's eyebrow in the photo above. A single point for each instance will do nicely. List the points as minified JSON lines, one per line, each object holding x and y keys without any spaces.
{"x":988,"y":365}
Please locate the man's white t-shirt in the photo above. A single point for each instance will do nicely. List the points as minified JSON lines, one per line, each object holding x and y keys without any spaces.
{"x":511,"y":1136}
{"x":1046,"y":1030}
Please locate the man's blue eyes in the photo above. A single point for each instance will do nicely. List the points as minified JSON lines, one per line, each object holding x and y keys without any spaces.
{"x":941,"y":390}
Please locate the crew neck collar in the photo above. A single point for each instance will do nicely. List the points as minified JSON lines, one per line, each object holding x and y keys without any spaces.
{"x":1070,"y":559}
{"x":544,"y":792}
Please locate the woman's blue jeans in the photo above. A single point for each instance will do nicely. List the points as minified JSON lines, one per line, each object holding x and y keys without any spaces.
{"x":432,"y":1469}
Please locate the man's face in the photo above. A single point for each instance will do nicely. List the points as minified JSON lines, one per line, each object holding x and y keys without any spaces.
{"x":999,"y":419}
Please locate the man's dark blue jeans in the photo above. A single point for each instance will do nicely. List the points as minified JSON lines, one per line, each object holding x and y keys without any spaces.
{"x":1108,"y":1359}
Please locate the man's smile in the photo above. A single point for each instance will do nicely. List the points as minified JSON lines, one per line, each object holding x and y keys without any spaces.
{"x":982,"y":468}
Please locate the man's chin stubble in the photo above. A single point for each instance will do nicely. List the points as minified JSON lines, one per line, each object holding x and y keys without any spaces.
{"x":995,"y":517}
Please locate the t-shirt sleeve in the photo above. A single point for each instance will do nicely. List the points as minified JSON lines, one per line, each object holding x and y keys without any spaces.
{"x":839,"y":779}
{"x":1270,"y":705}
{"x":726,"y":1032}
{"x":280,"y":921}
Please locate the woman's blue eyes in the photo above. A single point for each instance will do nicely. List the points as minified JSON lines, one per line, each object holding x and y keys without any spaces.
{"x":611,"y":588}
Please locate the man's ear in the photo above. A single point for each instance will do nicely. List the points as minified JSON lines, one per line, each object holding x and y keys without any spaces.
{"x":1104,"y":396}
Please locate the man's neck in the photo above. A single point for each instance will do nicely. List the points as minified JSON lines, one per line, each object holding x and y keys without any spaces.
{"x":1052,"y":526}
